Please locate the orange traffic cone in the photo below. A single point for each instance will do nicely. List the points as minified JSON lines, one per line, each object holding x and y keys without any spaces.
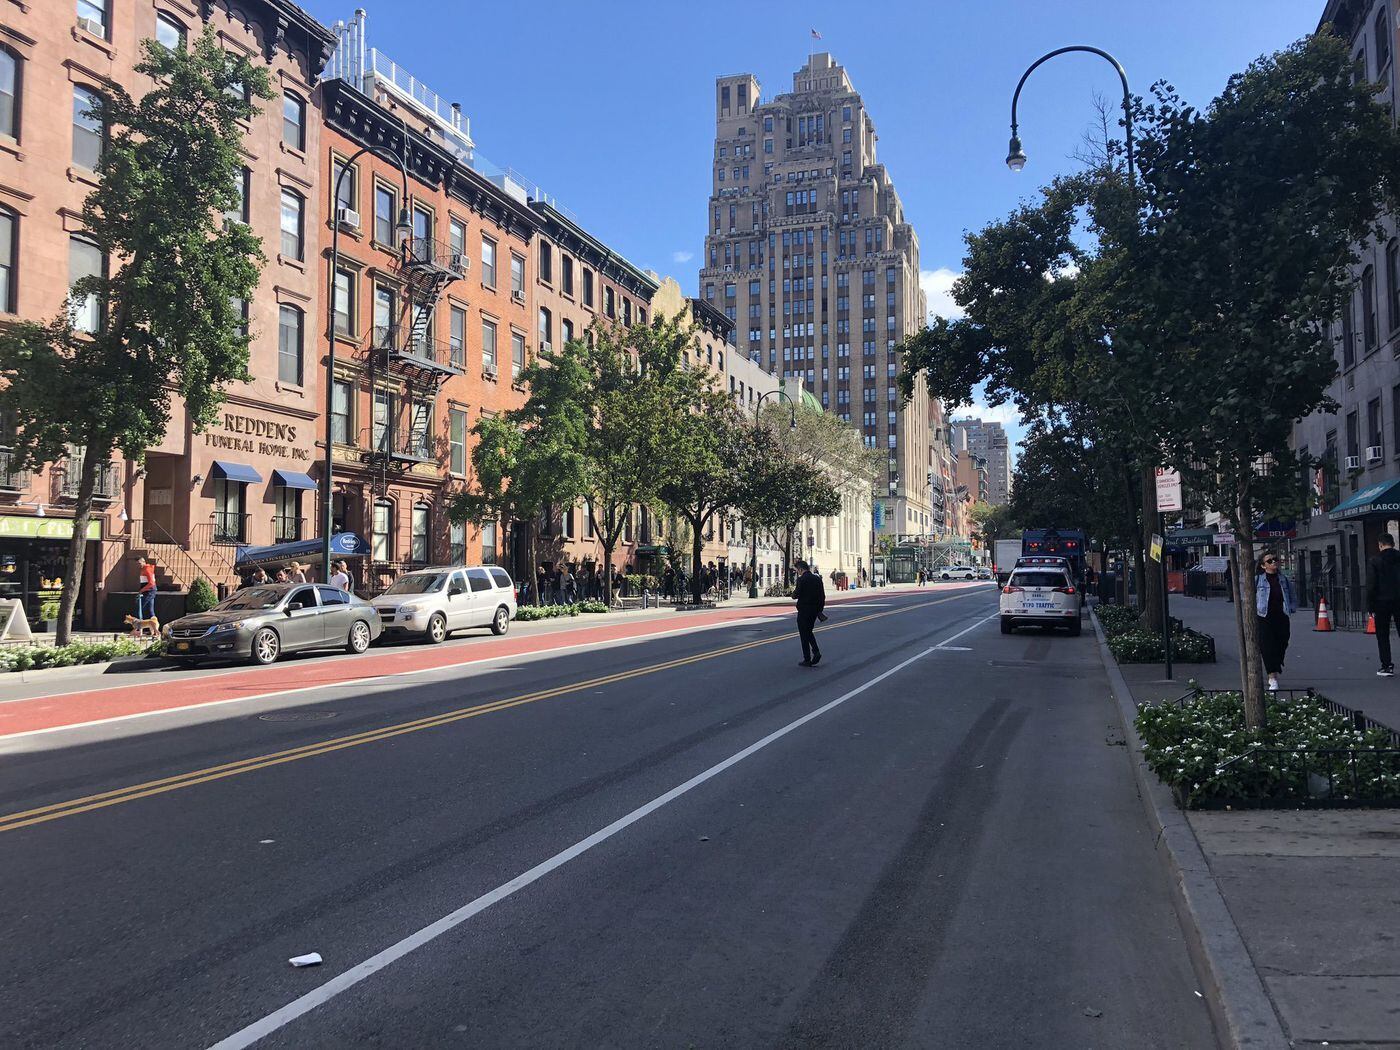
{"x":1370,"y":623}
{"x":1324,"y":618}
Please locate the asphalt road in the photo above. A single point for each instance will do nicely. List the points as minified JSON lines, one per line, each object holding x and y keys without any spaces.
{"x":642,"y":846}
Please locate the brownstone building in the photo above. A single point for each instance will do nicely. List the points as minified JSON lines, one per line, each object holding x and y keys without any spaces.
{"x":433,"y":329}
{"x":195,"y":496}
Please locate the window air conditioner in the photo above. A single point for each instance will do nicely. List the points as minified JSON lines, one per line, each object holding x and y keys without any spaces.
{"x":1353,"y":463}
{"x":517,"y":296}
{"x":93,"y":26}
{"x":348,"y":218}
{"x":489,"y":371}
{"x":1374,"y":453}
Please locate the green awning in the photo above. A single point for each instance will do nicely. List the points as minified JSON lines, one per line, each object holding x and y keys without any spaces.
{"x":1381,"y":500}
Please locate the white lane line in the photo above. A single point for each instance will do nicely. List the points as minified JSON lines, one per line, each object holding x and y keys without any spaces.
{"x":343,"y":982}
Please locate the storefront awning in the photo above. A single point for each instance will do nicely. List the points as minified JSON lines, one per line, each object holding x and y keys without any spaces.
{"x":1276,"y":529}
{"x":1190,"y":537}
{"x":1381,"y":500}
{"x":292,"y":480}
{"x":236,"y":472}
{"x":343,"y":545}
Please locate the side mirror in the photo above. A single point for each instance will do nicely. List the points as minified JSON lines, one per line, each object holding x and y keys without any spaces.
{"x":455,"y":590}
{"x":290,"y":609}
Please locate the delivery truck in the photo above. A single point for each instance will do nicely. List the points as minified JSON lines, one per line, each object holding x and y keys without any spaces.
{"x":1004,"y":558}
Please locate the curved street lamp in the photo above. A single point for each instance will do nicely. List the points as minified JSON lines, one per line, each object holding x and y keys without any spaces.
{"x":1016,"y":155}
{"x":779,"y":393}
{"x":403,"y":230}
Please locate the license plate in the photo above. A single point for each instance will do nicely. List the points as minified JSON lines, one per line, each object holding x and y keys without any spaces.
{"x":182,"y":646}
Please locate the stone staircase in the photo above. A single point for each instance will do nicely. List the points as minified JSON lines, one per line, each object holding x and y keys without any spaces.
{"x":177,"y":566}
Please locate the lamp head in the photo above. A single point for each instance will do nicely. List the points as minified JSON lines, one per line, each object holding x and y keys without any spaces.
{"x":1015,"y":155}
{"x":403,"y":229}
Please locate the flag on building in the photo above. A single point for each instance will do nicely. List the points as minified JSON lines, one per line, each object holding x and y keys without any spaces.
{"x":816,"y":35}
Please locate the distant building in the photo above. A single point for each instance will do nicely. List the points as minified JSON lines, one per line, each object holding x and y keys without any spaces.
{"x":988,"y":442}
{"x":809,"y":254}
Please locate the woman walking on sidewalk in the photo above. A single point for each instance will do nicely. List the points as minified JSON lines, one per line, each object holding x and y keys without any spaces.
{"x":1273,"y":601}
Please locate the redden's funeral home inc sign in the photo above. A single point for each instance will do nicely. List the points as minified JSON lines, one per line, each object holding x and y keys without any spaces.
{"x":260,"y":436}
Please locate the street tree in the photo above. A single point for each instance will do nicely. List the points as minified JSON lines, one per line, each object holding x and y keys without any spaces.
{"x":779,"y":490}
{"x":1255,"y":207}
{"x":160,"y":320}
{"x":1065,"y":475}
{"x":992,"y":522}
{"x":500,"y":487}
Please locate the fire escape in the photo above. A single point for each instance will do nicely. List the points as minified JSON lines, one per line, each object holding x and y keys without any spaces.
{"x":406,"y":354}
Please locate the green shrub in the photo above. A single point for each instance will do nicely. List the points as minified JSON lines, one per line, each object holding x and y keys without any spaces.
{"x":1116,"y":619}
{"x":30,"y":657}
{"x":591,"y":606}
{"x":1202,"y":750}
{"x":48,"y":610}
{"x":1141,"y":646}
{"x":201,"y":597}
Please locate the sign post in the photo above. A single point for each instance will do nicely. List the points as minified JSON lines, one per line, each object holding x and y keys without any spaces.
{"x":1168,"y":500}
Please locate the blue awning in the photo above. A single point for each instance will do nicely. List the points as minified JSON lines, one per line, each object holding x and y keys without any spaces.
{"x":343,"y":545}
{"x":292,"y":480}
{"x":1381,"y":500}
{"x":236,"y":472}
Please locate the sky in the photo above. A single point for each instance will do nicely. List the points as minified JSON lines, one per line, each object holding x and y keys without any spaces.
{"x":610,"y":107}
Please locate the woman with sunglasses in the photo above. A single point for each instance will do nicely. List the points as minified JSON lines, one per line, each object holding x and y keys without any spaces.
{"x":1273,"y":601}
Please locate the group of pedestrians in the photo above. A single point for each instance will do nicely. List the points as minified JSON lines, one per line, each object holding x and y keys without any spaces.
{"x":566,"y":583}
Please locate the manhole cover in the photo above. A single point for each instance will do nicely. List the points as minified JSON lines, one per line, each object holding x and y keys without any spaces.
{"x":298,"y":716}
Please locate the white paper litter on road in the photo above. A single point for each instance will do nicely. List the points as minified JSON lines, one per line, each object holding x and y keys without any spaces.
{"x":313,"y":959}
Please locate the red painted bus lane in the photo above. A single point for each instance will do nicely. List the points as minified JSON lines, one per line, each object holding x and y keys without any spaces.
{"x":124,"y":701}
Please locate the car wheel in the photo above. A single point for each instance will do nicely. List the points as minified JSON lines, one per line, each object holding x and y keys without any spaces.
{"x":945,"y":576}
{"x":1006,"y":625}
{"x":437,"y":629}
{"x":359,"y":639}
{"x":1075,"y":628}
{"x":500,"y":623}
{"x":267,"y":647}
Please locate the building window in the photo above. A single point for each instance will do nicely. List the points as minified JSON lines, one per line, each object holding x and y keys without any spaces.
{"x":294,"y":120}
{"x":456,"y":543}
{"x":587,"y":287}
{"x":383,"y":541}
{"x":457,"y":238}
{"x":9,"y":94}
{"x":488,"y":543}
{"x":289,"y":345}
{"x":546,"y":329}
{"x":609,"y":303}
{"x":457,"y":441}
{"x":1392,"y":277}
{"x":286,"y":520}
{"x":566,"y":331}
{"x":88,"y":131}
{"x":84,"y":260}
{"x":1348,"y":334}
{"x":92,"y":16}
{"x":238,"y":211}
{"x":341,"y":395}
{"x":344,"y":303}
{"x":546,"y":262}
{"x":488,"y":343}
{"x":8,"y":242}
{"x":228,"y":511}
{"x":292,"y":226}
{"x":345,"y":190}
{"x":517,"y":276}
{"x":566,"y":274}
{"x":420,"y":429}
{"x":457,"y":335}
{"x":379,"y":423}
{"x":488,"y":262}
{"x":1382,"y":42}
{"x":423,"y":223}
{"x":385,"y":205}
{"x":418,"y":534}
{"x":517,"y":354}
{"x":1368,"y":308}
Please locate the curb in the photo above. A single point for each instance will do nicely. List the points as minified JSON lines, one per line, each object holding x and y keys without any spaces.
{"x":1243,"y":1014}
{"x":50,"y":674}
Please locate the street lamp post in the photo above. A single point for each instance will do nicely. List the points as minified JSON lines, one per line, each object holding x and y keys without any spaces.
{"x":404,"y":230}
{"x":780,"y":393}
{"x":1016,"y":160}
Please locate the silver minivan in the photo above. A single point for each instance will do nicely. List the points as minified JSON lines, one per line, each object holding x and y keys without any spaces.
{"x":434,"y":602}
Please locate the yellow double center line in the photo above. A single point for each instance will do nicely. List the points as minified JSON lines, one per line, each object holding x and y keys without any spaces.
{"x":72,"y":807}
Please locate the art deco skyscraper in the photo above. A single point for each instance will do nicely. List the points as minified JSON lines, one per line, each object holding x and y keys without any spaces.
{"x":808,"y":252}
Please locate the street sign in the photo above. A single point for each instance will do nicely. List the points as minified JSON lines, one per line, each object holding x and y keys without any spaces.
{"x":1156,"y":547}
{"x":1215,"y":563}
{"x":1168,"y":491}
{"x":1225,"y":539}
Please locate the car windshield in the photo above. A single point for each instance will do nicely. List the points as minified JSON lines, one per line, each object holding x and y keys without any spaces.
{"x":251,"y":598}
{"x":418,"y":583}
{"x":1039,"y":579}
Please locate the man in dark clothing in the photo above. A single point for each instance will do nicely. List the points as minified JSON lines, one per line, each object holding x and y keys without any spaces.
{"x":810,"y":596}
{"x":1383,"y":597}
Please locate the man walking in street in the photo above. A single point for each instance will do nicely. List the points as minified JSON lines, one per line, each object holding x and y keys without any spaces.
{"x":1383,"y":597}
{"x":810,"y":596}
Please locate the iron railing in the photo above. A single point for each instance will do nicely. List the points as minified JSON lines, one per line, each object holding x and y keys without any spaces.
{"x":413,"y":444}
{"x":431,"y":253}
{"x":286,"y":529}
{"x":230,"y":527}
{"x":402,"y":347}
{"x":68,"y":476}
{"x":13,"y":478}
{"x":1317,"y":776}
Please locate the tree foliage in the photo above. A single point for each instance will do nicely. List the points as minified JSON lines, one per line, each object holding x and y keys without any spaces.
{"x":168,"y":325}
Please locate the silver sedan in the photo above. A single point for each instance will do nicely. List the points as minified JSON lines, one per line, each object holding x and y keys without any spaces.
{"x":261,"y":623}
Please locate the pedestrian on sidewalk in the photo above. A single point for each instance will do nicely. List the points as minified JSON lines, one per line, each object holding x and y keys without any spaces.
{"x":1383,"y":597}
{"x":340,"y":577}
{"x":146,"y":595}
{"x":1273,"y":601}
{"x":810,"y":596}
{"x":567,"y":589}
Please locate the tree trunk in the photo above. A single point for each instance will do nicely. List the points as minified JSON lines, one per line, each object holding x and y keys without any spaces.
{"x":1247,"y":616}
{"x":77,"y":546}
{"x":608,"y":541}
{"x":1150,"y":573}
{"x":697,"y":554}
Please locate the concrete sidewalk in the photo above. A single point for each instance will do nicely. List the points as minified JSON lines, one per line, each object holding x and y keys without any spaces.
{"x":1314,"y":894}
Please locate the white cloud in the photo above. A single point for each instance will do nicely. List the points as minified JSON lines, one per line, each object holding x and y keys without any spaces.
{"x":938,"y":287}
{"x":682,"y":257}
{"x":1006,"y":415}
